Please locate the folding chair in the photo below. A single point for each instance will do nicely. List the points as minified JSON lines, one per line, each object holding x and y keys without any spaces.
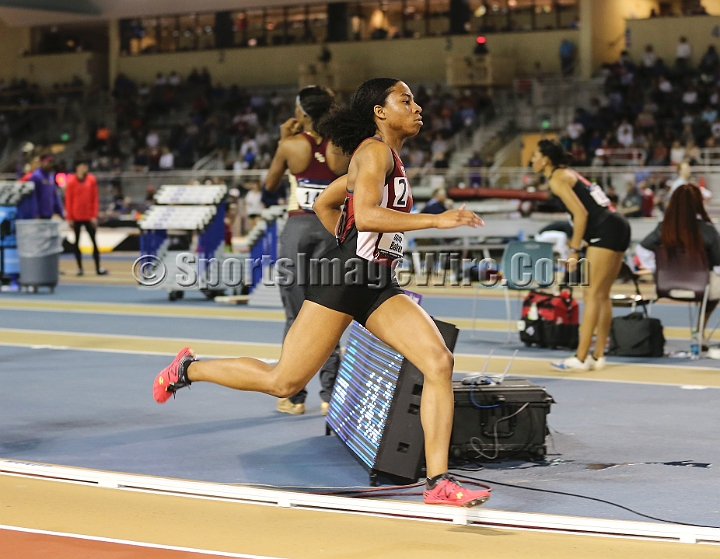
{"x":631,"y":301}
{"x":527,"y":256}
{"x":682,"y":278}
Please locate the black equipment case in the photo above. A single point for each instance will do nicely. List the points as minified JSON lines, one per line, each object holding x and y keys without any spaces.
{"x":505,"y":420}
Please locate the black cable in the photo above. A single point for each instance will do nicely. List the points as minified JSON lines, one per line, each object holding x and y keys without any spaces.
{"x":623,"y":507}
{"x":401,"y":490}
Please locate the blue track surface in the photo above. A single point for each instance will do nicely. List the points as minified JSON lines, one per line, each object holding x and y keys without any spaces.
{"x":615,"y":441}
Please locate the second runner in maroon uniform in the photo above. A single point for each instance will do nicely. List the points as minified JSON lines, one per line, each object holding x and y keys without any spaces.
{"x":313,"y":163}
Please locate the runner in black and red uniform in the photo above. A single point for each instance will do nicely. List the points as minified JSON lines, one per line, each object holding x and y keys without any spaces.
{"x":313,"y":163}
{"x":607,"y":234}
{"x":374,"y":254}
{"x":370,"y":210}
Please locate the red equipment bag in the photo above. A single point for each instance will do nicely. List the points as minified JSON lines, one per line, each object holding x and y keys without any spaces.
{"x":550,"y":320}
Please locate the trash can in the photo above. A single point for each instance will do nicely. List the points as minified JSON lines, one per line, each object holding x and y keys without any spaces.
{"x":39,"y":246}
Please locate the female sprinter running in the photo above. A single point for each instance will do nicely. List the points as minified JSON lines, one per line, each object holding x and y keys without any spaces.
{"x":313,"y":163}
{"x":608,"y":236}
{"x":376,"y":210}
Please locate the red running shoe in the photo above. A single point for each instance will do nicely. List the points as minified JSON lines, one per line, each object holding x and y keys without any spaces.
{"x":173,"y":377}
{"x":448,"y":491}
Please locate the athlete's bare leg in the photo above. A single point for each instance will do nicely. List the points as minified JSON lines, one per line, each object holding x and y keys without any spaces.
{"x":604,"y":266}
{"x":407,"y":328}
{"x":308,"y":344}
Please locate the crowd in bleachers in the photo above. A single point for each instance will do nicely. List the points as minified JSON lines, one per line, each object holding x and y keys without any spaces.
{"x":656,"y":113}
{"x":664,"y":110}
{"x":177,"y":120}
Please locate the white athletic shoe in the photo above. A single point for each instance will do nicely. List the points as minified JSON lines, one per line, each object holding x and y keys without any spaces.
{"x":571,"y":364}
{"x":595,"y":364}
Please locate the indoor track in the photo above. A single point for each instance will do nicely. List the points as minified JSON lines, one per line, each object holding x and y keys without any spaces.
{"x":76,"y":369}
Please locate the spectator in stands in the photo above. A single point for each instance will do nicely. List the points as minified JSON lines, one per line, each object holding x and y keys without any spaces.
{"x":625,"y":134}
{"x":709,"y":64}
{"x":686,"y":226}
{"x":632,"y":202}
{"x":578,"y":154}
{"x":140,"y":161}
{"x":264,"y":158}
{"x":659,"y":155}
{"x":439,"y":148}
{"x":684,"y":171}
{"x":648,"y":199}
{"x":253,"y":203}
{"x":709,"y":115}
{"x":438,"y":203}
{"x":45,"y":201}
{"x":82,"y":204}
{"x":149,"y":198}
{"x":682,"y":55}
{"x":692,"y":153}
{"x":119,"y":204}
{"x":690,"y":97}
{"x":249,"y":145}
{"x":567,"y":57}
{"x":677,"y":153}
{"x":167,"y":159}
{"x":612,"y":195}
{"x":152,"y":140}
{"x":174,"y":79}
{"x":575,"y":129}
{"x":664,"y":85}
{"x":645,"y":121}
{"x":649,"y":59}
{"x":30,"y":168}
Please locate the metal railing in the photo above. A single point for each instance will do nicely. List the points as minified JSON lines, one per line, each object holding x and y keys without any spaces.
{"x":634,"y":157}
{"x":710,"y":156}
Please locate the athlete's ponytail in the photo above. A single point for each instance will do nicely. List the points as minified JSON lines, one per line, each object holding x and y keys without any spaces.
{"x":348,"y":127}
{"x":553,"y":150}
{"x":315,"y":102}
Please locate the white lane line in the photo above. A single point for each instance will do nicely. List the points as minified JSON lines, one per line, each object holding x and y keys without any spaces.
{"x":132,"y":337}
{"x":134,"y":543}
{"x":147,"y":314}
{"x":408,"y":510}
{"x":122,"y":351}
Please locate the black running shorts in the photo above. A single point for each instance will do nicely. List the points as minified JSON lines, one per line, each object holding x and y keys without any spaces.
{"x":613,"y":234}
{"x":362,"y":288}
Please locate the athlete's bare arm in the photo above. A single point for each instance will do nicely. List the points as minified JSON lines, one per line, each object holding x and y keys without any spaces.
{"x":327,"y":205}
{"x":277,"y":168}
{"x":368,"y":171}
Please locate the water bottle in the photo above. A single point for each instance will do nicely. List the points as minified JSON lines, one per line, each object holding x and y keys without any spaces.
{"x":695,"y":346}
{"x":533,"y":312}
{"x":521,"y":235}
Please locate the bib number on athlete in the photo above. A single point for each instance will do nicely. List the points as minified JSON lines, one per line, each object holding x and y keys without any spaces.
{"x":402,"y":192}
{"x":392,"y":245}
{"x":307,"y":194}
{"x":598,"y":195}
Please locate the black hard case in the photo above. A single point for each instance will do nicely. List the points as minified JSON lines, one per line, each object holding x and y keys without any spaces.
{"x":521,"y":436}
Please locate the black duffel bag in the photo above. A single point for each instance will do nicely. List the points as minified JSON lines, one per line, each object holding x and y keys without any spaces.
{"x":636,"y":335}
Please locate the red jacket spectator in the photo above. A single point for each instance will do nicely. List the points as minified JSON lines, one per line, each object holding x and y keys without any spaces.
{"x":81,"y":198}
